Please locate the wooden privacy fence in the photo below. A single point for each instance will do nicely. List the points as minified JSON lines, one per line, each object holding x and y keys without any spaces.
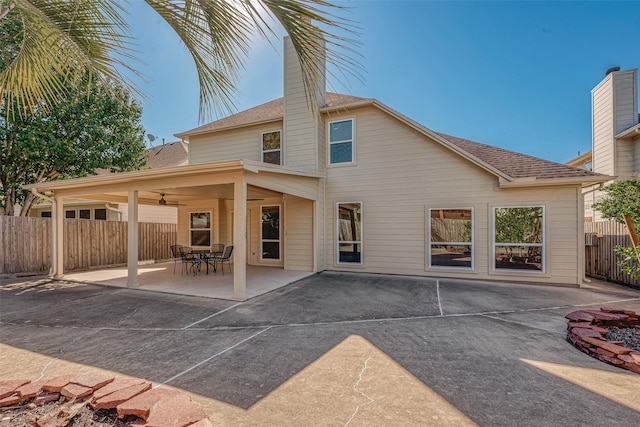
{"x":600,"y":260}
{"x":25,"y":243}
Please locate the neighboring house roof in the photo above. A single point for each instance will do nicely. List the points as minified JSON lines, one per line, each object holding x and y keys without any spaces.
{"x":580,"y":159}
{"x":508,"y":165}
{"x":166,"y":155}
{"x":632,"y":132}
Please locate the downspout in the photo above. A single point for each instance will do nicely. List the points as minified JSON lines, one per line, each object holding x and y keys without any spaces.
{"x":594,"y":188}
{"x":54,"y":254}
{"x":109,"y":208}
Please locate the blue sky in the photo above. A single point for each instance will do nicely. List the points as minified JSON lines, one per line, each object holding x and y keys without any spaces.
{"x":516,"y":75}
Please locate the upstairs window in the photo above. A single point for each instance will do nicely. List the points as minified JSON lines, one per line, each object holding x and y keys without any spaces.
{"x":519,"y":238}
{"x":341,"y":142}
{"x":272,"y":147}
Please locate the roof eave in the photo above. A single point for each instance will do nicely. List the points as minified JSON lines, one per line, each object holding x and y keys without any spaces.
{"x":357,"y":104}
{"x":176,"y":171}
{"x":579,"y":159}
{"x":551,"y":182}
{"x":632,"y":132}
{"x":186,"y":135}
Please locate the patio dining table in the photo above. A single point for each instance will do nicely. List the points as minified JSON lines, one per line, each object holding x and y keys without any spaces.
{"x":205,"y":255}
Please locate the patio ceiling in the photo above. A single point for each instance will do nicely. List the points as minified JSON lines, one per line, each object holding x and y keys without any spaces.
{"x":174,"y":196}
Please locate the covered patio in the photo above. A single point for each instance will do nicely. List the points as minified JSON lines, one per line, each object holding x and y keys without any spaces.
{"x":234,"y":196}
{"x":161,"y":278}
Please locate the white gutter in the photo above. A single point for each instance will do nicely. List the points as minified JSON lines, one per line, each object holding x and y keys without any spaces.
{"x":547,"y":182}
{"x":109,"y":208}
{"x":54,"y":253}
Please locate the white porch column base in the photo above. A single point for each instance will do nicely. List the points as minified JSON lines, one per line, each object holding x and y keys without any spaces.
{"x":239,"y":239}
{"x":132,"y":240}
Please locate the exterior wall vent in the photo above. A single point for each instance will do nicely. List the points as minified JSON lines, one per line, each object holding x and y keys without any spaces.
{"x":611,"y":70}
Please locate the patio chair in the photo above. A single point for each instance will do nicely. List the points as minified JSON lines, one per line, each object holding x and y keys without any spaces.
{"x":225,"y":257}
{"x":190,"y":261}
{"x":175,"y":253}
{"x":217,"y":250}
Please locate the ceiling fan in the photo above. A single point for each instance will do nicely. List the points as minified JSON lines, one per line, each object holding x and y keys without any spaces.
{"x":163,"y":202}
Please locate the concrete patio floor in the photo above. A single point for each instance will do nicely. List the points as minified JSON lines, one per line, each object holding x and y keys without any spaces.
{"x":161,"y":278}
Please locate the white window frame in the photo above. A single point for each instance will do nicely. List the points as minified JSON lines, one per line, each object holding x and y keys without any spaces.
{"x":263,"y":240}
{"x":353,"y":142}
{"x":360,"y":242}
{"x":210,"y":212}
{"x":471,"y":243}
{"x":262,"y":150}
{"x":543,"y":245}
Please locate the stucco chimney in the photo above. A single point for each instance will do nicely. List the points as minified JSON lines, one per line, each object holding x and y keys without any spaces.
{"x":302,"y":130}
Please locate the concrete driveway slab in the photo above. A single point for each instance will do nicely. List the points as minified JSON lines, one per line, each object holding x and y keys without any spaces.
{"x":336,"y":349}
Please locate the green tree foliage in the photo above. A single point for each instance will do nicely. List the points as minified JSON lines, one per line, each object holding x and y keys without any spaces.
{"x":623,"y":198}
{"x":92,"y":127}
{"x":85,"y":132}
{"x":515,"y":226}
{"x":518,"y":225}
{"x":63,"y":40}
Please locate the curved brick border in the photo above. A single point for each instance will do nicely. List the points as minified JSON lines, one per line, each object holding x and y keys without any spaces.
{"x":157,"y":407}
{"x":587,"y":329}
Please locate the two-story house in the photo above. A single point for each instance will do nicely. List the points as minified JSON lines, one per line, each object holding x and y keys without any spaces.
{"x":615,"y":133}
{"x":358,"y":187}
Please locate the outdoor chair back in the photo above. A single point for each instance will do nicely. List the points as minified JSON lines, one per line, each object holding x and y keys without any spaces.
{"x":226,"y":257}
{"x":175,"y":253}
{"x":190,"y":261}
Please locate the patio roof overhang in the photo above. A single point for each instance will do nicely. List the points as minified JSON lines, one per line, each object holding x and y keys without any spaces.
{"x":212,"y":180}
{"x":237,"y":180}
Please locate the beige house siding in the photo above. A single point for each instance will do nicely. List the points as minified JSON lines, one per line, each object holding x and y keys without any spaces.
{"x":625,"y":99}
{"x":243,"y":143}
{"x":636,"y":156}
{"x":294,"y":185}
{"x":624,"y":162}
{"x":399,"y":174}
{"x":147,"y":213}
{"x":298,"y":236}
{"x":603,"y":131}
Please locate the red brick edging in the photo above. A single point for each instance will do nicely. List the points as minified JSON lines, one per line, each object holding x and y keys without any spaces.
{"x":587,"y":329}
{"x":157,"y":407}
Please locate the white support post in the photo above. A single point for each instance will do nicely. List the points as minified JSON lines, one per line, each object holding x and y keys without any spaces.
{"x":239,"y":239}
{"x":132,"y":240}
{"x":57,"y":222}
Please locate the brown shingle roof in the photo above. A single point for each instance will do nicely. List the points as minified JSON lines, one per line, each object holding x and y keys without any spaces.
{"x":167,"y":155}
{"x":517,"y":165}
{"x":163,"y":156}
